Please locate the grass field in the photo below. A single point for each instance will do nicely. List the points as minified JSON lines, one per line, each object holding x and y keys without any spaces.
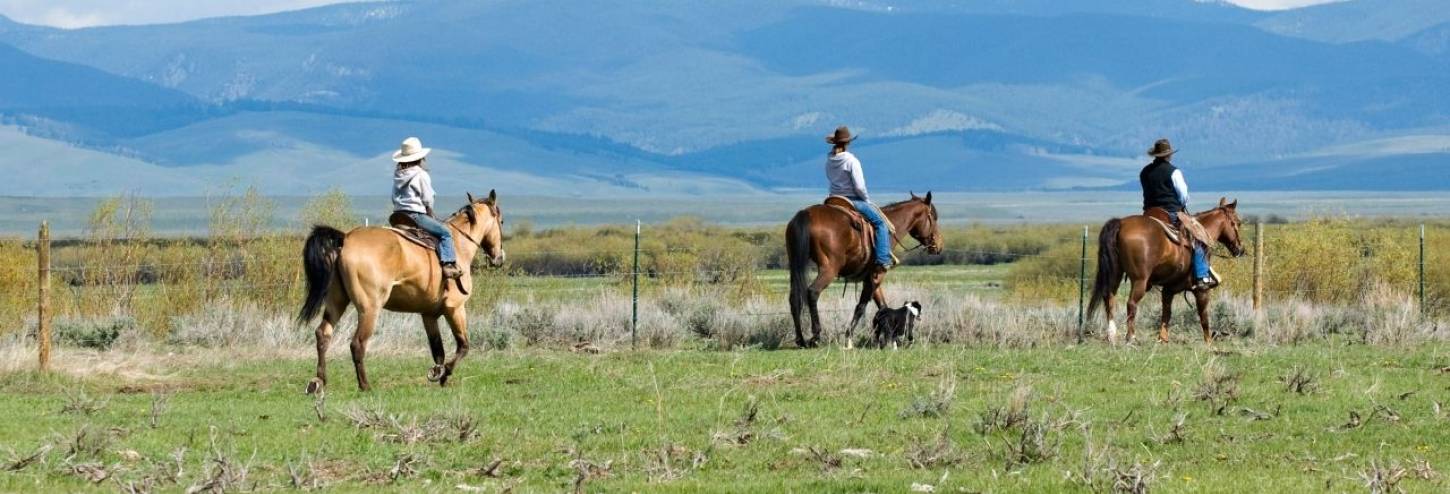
{"x":1172,"y":418}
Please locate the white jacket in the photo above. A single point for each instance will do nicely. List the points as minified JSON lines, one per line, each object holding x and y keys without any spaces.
{"x":412,"y":190}
{"x":843,"y":171}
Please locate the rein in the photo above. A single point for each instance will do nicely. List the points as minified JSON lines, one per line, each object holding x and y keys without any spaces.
{"x":465,"y":234}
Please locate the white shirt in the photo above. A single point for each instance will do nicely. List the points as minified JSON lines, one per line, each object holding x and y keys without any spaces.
{"x":843,"y":171}
{"x":1180,"y":187}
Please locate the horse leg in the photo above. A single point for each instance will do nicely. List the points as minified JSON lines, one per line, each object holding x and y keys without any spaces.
{"x":1201,"y":298}
{"x":332,"y":312}
{"x":435,"y":346}
{"x":1108,"y":302}
{"x":868,"y":292}
{"x":797,"y":309}
{"x":1167,"y":315}
{"x":458,"y":322}
{"x":813,"y":300}
{"x":1140,"y":288}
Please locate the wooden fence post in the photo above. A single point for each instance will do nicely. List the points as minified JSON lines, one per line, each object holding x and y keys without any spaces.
{"x":1258,"y":265}
{"x":42,"y":320}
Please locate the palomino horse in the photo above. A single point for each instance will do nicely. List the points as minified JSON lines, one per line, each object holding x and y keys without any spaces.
{"x":1136,"y":246}
{"x":375,"y":269}
{"x":824,"y":235}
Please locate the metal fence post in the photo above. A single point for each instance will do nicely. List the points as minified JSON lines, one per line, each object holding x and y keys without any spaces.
{"x":1082,"y":287}
{"x":1423,"y":308}
{"x":634,"y":316}
{"x":1258,"y":266}
{"x":42,"y":321}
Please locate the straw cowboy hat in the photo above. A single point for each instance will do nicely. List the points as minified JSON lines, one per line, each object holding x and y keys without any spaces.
{"x":1162,"y":149}
{"x":411,"y":150}
{"x":842,"y":136}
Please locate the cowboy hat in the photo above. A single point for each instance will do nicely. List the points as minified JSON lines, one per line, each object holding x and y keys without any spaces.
{"x":411,"y":150}
{"x":842,"y":136}
{"x":1162,"y":149}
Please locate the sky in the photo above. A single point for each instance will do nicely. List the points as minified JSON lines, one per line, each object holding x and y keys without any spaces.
{"x":87,"y":13}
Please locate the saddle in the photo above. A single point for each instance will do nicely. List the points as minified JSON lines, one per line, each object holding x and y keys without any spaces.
{"x":859,"y":223}
{"x":402,"y":224}
{"x":1188,"y":229}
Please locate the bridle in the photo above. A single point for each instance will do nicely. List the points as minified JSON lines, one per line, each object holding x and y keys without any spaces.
{"x":465,"y":234}
{"x":895,"y":236}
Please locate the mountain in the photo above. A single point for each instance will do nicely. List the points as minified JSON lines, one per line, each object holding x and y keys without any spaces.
{"x":634,"y":97}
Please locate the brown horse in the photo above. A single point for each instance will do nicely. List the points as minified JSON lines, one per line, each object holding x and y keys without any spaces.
{"x":825,"y":235}
{"x":375,"y":268}
{"x":1137,"y":246}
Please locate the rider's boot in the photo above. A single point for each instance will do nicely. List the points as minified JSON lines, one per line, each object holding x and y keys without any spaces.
{"x":451,"y":271}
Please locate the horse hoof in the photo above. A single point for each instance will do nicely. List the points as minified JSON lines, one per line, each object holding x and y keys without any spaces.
{"x":436,"y":374}
{"x":314,"y":386}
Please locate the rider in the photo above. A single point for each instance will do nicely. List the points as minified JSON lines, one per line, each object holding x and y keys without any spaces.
{"x":413,"y":195}
{"x":1164,"y":188}
{"x":843,"y":171}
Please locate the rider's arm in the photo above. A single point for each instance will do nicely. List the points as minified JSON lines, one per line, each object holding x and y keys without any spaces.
{"x":1180,"y":187}
{"x":858,"y":181}
{"x":425,"y":191}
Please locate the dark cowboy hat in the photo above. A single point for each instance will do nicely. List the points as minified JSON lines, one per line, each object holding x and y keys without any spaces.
{"x":842,"y":136}
{"x":1162,"y":149}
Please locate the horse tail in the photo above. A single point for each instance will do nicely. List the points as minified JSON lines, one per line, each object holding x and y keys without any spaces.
{"x":319,"y":262}
{"x":798,"y":256}
{"x":1110,"y":270}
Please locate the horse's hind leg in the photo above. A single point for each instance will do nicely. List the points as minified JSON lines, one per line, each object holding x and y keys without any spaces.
{"x":332,"y":312}
{"x":797,"y":311}
{"x":435,"y":346}
{"x":1140,"y":288}
{"x":458,"y":322}
{"x":1167,"y":315}
{"x":813,"y":299}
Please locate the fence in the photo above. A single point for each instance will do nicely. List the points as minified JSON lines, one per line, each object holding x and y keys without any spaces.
{"x":137,"y":279}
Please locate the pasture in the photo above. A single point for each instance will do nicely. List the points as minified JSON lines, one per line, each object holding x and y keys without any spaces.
{"x":178,"y":368}
{"x":1334,"y":415}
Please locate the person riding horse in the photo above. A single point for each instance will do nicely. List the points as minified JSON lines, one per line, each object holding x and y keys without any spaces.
{"x":413,"y":196}
{"x":1164,"y":188}
{"x":843,"y":172}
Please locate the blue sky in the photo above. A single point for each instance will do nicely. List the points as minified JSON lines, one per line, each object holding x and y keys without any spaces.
{"x":85,"y":13}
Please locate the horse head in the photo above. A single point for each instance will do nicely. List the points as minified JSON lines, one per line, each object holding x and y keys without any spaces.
{"x":1228,"y":229}
{"x":488,"y":234}
{"x":924,"y":225}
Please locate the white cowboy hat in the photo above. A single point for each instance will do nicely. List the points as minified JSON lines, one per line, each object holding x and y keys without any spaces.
{"x":411,"y":150}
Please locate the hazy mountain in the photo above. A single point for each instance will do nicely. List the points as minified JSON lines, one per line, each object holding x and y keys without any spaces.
{"x":686,"y":97}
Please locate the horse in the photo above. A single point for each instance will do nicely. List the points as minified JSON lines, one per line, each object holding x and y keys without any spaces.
{"x":1136,"y":246}
{"x":824,"y":235}
{"x":375,"y":268}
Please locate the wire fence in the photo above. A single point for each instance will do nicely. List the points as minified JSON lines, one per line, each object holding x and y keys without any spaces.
{"x":78,"y":286}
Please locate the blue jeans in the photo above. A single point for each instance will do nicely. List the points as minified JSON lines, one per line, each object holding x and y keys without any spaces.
{"x":883,"y":235}
{"x":440,"y":230}
{"x":1200,"y":255}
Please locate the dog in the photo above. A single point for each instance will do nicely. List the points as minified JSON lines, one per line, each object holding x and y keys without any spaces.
{"x":891,"y":325}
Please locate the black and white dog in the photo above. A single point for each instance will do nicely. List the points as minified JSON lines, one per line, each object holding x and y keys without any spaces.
{"x":893,"y":324}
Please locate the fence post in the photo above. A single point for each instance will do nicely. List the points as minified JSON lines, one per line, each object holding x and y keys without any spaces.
{"x":1258,"y":266}
{"x":634,"y":316}
{"x":1423,"y":309}
{"x":42,"y":320}
{"x":1082,"y":286}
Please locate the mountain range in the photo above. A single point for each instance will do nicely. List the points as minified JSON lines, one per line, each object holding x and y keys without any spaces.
{"x":693,"y":97}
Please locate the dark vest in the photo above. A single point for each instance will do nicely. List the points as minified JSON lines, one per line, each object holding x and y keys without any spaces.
{"x":1157,"y":181}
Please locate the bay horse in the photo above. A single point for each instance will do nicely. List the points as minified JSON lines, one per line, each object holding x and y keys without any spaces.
{"x":1137,"y":247}
{"x":375,"y":268}
{"x":824,"y":235}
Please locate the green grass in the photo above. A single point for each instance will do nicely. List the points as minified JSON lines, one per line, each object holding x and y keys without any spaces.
{"x":538,"y":411}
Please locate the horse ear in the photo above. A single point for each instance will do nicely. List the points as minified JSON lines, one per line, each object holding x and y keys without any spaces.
{"x":492,"y":196}
{"x":913,"y":194}
{"x":1233,"y":205}
{"x":927,"y":199}
{"x":470,"y":197}
{"x":1222,"y":201}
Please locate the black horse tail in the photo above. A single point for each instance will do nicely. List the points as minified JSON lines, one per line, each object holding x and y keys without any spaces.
{"x":319,"y":262}
{"x":1110,"y":270}
{"x":798,"y":256}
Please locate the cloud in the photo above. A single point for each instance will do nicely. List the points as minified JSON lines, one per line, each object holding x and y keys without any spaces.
{"x":1279,"y":4}
{"x":71,"y":14}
